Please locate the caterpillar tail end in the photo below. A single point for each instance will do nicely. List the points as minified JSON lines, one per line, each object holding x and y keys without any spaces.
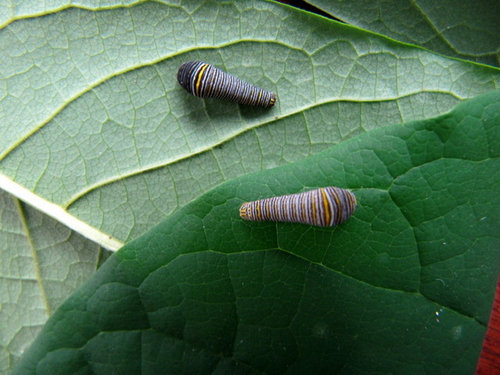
{"x":272,"y":100}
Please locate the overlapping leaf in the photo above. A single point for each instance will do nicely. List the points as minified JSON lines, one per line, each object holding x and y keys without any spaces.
{"x":466,"y":29}
{"x":406,"y":283}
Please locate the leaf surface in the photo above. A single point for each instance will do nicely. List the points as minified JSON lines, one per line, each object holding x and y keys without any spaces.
{"x":466,"y":29}
{"x":406,"y":283}
{"x":42,"y":263}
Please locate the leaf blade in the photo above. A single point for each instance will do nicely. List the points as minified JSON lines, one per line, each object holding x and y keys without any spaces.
{"x":204,"y":272}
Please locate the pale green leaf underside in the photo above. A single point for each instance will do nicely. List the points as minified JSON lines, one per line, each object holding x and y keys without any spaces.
{"x":42,"y":262}
{"x":96,"y":122}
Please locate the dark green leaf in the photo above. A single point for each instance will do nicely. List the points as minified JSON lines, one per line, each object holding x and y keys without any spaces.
{"x":405,"y":284}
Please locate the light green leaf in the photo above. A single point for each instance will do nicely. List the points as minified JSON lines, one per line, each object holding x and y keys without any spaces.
{"x":467,"y":29}
{"x":42,"y":262}
{"x":405,"y":284}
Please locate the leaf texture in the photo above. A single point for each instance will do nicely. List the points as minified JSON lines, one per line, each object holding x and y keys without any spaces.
{"x":42,"y":263}
{"x":466,"y":29}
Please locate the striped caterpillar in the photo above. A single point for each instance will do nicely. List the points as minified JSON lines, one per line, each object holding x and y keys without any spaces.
{"x":206,"y":81}
{"x":323,"y":207}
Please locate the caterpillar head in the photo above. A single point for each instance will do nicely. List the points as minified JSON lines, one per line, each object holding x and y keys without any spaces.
{"x":245,"y":212}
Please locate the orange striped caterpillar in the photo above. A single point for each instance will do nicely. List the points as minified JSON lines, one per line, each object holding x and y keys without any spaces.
{"x":206,"y":81}
{"x":323,"y":207}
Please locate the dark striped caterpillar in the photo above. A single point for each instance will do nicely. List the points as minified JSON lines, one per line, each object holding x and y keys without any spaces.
{"x":323,"y":207}
{"x":206,"y":81}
